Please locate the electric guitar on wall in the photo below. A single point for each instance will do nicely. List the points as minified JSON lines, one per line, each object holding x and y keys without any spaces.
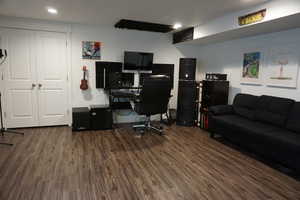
{"x":84,"y":82}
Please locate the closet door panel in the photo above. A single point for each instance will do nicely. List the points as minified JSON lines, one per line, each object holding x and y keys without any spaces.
{"x":52,"y":78}
{"x":20,"y":98}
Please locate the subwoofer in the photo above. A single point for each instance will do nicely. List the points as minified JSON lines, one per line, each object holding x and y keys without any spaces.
{"x":188,"y":103}
{"x":101,"y":117}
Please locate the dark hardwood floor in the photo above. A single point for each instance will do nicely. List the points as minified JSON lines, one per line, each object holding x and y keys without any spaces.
{"x":54,"y":164}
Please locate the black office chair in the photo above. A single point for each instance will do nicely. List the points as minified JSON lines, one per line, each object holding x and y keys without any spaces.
{"x":153,"y":99}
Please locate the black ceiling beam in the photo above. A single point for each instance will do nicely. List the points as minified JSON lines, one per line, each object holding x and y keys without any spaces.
{"x":143,"y":26}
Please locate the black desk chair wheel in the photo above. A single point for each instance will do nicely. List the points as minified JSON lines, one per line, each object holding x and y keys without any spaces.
{"x":153,"y":99}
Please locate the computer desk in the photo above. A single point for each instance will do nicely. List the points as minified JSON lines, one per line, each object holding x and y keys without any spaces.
{"x":120,"y":99}
{"x":119,"y":93}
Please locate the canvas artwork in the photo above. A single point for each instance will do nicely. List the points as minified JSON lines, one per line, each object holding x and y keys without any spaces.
{"x":251,"y":68}
{"x":283,"y":64}
{"x":91,"y":50}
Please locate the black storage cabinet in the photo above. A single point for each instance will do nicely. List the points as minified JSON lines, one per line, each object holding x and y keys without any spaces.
{"x":214,"y":93}
{"x":81,"y":119}
{"x":101,"y":117}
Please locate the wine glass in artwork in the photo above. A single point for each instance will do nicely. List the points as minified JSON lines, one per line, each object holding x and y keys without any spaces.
{"x":282,"y":61}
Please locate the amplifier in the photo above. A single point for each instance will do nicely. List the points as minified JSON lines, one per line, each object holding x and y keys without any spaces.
{"x":215,"y":77}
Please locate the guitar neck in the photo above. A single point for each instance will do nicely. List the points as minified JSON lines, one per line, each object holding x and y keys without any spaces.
{"x":84,"y":75}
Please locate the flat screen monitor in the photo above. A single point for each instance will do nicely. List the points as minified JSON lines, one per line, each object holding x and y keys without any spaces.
{"x":138,"y":61}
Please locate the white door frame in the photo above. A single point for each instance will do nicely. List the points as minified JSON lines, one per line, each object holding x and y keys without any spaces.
{"x":40,"y":25}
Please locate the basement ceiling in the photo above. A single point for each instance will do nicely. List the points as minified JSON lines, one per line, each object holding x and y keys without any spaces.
{"x":108,"y":12}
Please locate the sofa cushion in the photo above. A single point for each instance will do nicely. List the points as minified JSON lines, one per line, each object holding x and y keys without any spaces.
{"x":221,"y":110}
{"x":273,"y":110}
{"x":293,"y":122}
{"x":241,"y":124}
{"x":262,"y":132}
{"x":244,"y":105}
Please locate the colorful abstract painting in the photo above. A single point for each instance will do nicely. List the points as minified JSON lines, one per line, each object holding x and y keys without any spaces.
{"x":91,"y":50}
{"x":251,"y":67}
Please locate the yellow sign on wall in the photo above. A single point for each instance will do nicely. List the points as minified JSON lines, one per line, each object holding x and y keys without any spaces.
{"x":252,"y":18}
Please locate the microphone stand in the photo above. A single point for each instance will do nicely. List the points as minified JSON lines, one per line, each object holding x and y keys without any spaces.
{"x":2,"y":129}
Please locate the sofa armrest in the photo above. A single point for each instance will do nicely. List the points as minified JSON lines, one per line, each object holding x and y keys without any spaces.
{"x":221,"y":110}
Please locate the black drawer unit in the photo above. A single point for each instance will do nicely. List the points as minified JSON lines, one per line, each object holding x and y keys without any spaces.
{"x":101,"y":117}
{"x":81,"y":119}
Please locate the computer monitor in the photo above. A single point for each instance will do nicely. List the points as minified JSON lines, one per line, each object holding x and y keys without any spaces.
{"x":138,"y":61}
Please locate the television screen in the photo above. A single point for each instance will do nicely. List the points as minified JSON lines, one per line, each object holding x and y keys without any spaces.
{"x":138,"y":61}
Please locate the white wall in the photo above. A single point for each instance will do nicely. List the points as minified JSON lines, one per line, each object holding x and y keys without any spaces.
{"x":227,"y":57}
{"x":275,"y":9}
{"x":115,"y":42}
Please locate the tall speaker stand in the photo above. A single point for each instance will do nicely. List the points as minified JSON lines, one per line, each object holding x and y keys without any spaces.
{"x":3,"y":130}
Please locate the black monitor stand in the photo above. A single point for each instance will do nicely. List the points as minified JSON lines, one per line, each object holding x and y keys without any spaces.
{"x":3,"y":130}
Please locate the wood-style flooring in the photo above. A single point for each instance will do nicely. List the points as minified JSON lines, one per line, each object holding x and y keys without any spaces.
{"x":54,"y":164}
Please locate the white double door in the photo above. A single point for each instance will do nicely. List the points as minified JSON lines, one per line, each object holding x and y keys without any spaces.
{"x":35,"y":78}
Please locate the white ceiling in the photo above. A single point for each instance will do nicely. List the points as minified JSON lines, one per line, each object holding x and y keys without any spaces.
{"x":108,"y":12}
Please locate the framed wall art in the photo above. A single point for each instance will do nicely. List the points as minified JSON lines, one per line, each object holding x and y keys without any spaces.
{"x":283,"y":67}
{"x":251,"y":69}
{"x":91,"y":50}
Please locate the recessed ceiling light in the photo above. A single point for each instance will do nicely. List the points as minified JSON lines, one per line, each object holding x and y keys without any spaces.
{"x":52,"y":11}
{"x":177,"y":26}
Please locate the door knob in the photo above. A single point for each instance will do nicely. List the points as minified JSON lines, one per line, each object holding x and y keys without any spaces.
{"x":33,"y":85}
{"x":40,"y":85}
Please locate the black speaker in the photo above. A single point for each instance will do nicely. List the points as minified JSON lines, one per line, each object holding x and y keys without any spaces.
{"x":101,"y":117}
{"x":188,"y":103}
{"x":113,"y":80}
{"x":81,"y":118}
{"x":214,"y":93}
{"x":100,"y":74}
{"x":187,"y":68}
{"x":105,"y":73}
{"x":164,"y":69}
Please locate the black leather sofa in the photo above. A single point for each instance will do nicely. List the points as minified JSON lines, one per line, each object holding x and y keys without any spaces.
{"x":266,"y":125}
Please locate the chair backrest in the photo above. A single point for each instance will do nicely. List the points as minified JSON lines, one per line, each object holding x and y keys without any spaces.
{"x":155,"y":94}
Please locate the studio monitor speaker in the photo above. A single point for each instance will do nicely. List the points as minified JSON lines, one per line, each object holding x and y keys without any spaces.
{"x":187,"y":68}
{"x":105,"y":71}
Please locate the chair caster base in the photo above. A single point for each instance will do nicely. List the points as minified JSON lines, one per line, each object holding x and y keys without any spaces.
{"x":148,"y":127}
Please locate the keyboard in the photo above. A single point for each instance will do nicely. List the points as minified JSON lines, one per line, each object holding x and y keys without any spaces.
{"x":123,"y":94}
